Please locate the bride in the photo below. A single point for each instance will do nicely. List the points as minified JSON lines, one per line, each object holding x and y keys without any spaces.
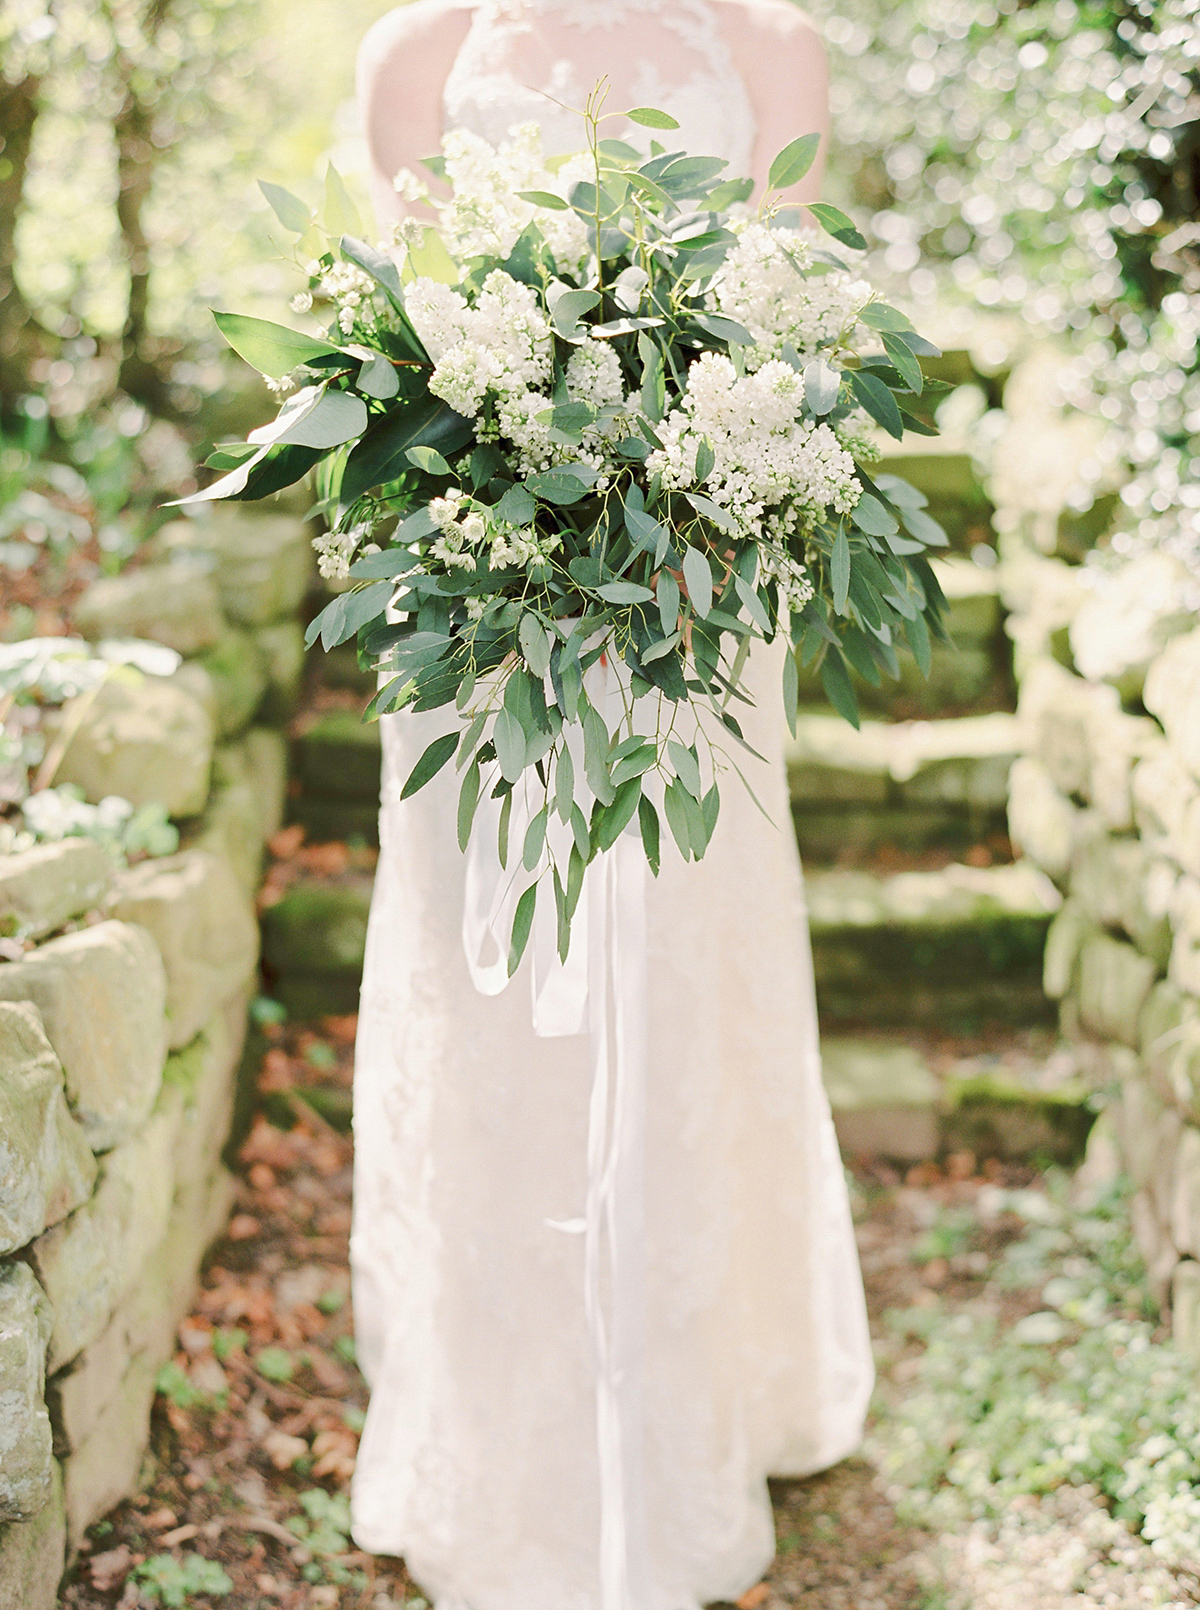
{"x":479,"y":1460}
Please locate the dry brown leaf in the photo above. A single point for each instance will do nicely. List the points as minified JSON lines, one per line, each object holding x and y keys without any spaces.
{"x":109,"y":1570}
{"x":282,"y":1450}
{"x":756,"y":1596}
{"x":284,"y":843}
{"x":242,"y":1227}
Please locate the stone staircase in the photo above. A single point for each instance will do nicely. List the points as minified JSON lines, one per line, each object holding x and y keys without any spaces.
{"x":927,"y":939}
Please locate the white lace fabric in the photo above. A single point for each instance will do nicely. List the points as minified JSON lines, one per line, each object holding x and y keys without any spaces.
{"x":478,"y":1462}
{"x":521,"y":63}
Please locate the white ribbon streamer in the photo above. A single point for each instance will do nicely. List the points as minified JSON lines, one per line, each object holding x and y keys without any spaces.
{"x":601,"y":991}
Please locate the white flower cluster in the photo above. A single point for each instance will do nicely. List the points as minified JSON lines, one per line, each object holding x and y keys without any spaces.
{"x":486,"y":216}
{"x":769,"y":466}
{"x":465,"y":537}
{"x":347,"y":287}
{"x":790,"y":576}
{"x":501,"y":345}
{"x":499,"y":352}
{"x":335,"y":551}
{"x":760,"y":287}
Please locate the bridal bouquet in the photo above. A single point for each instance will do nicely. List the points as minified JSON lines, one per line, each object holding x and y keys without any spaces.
{"x":600,"y":415}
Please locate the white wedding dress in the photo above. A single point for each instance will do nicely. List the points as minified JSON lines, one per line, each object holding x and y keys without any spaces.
{"x":479,"y":1458}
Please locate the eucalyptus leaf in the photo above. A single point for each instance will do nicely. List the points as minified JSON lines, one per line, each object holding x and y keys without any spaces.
{"x":698,"y":576}
{"x":793,"y":162}
{"x":838,"y":225}
{"x":839,"y":571}
{"x":650,"y":118}
{"x":289,"y":209}
{"x":522,"y":923}
{"x":431,"y":762}
{"x":822,"y":386}
{"x":509,"y":738}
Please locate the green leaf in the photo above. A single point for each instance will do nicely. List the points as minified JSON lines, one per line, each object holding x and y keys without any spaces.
{"x":822,"y":386}
{"x":516,"y":507}
{"x":753,"y":603}
{"x":674,"y":798}
{"x":382,"y":454}
{"x":378,"y":265}
{"x":870,"y":515}
{"x":705,"y":459}
{"x":509,"y":738}
{"x":668,"y":602}
{"x":877,"y":400}
{"x":687,"y":767}
{"x":648,"y":822}
{"x":341,"y":215}
{"x":535,"y":643}
{"x":432,"y":260}
{"x":289,"y":209}
{"x":563,"y":917}
{"x":624,"y":592}
{"x":468,"y":799}
{"x":272,"y":349}
{"x":595,"y":755}
{"x":698,"y":576}
{"x":906,"y":364}
{"x":569,"y":307}
{"x":522,"y":923}
{"x":557,"y":486}
{"x":723,"y":329}
{"x":347,"y":613}
{"x":535,"y":839}
{"x":917,"y":633}
{"x":720,"y":517}
{"x":793,"y":162}
{"x":429,"y":460}
{"x":378,"y":378}
{"x":564,"y":784}
{"x":650,"y":118}
{"x":502,"y":829}
{"x":544,"y":198}
{"x":839,"y":571}
{"x":619,"y":814}
{"x":791,"y":689}
{"x":838,"y":688}
{"x":838,"y":225}
{"x":879,"y":316}
{"x":924,"y":527}
{"x":430,"y":763}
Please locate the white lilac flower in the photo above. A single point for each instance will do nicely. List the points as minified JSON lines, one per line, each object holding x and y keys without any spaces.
{"x":408,"y":186}
{"x":348,"y":288}
{"x":408,"y":232}
{"x":302,"y":302}
{"x":499,"y":346}
{"x":760,"y":287}
{"x":335,"y":550}
{"x":769,"y":466}
{"x":486,"y":215}
{"x":475,"y":608}
{"x":444,"y":511}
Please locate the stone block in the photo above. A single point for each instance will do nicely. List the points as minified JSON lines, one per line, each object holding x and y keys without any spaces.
{"x":1114,"y":981}
{"x":46,"y":1165}
{"x":1185,"y":1308}
{"x":883,"y":1095}
{"x":205,"y":1074}
{"x":33,"y":1554}
{"x":101,"y":993}
{"x":340,"y":756}
{"x":89,"y":1262}
{"x":238,"y":672}
{"x":231,"y":830}
{"x":1060,"y":712}
{"x":1102,"y":1164}
{"x":1172,"y":693}
{"x":1154,"y":1242}
{"x":267,"y":772}
{"x":994,"y":1114}
{"x":1185,"y":1193}
{"x":192,"y":679}
{"x":26,"y":1476}
{"x":204,"y":927}
{"x":1169,"y":1039}
{"x":144,"y":739}
{"x":42,"y":888}
{"x":263,"y":563}
{"x":104,"y":1469}
{"x":173,"y":604}
{"x":1184,"y":967}
{"x":281,"y":646}
{"x":1130,"y":616}
{"x":1068,"y":933}
{"x":1043,"y":823}
{"x":318,"y":928}
{"x":1166,"y":807}
{"x":1137,"y":1120}
{"x":1116,"y":742}
{"x":1121,"y":884}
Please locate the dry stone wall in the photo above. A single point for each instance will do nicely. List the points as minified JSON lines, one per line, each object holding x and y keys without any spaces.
{"x":1106,"y":800}
{"x":123,"y":1002}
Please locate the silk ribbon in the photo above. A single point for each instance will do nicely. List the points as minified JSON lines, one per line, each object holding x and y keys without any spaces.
{"x":600,"y":990}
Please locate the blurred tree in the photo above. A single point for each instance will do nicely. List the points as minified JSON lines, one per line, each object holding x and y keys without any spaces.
{"x":25,"y":31}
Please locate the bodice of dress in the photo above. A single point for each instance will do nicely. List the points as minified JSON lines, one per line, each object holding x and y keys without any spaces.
{"x":663,"y":53}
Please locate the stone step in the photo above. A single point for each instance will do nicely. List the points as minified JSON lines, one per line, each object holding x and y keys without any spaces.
{"x":915,"y":785}
{"x":335,"y":767}
{"x":973,"y":671}
{"x":892,"y":1099}
{"x":313,"y":944}
{"x":954,"y":948}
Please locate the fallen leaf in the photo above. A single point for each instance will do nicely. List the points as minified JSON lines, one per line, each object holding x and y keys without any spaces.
{"x":756,"y":1596}
{"x":284,"y":843}
{"x":181,"y":1534}
{"x":242,"y":1227}
{"x":159,"y":1519}
{"x":282,"y":1450}
{"x":109,"y":1570}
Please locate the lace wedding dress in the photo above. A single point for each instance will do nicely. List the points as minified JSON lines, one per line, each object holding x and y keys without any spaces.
{"x":479,"y":1458}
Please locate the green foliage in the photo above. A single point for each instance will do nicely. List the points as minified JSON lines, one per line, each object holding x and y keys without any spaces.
{"x":1078,"y":1391}
{"x":275,"y":1363}
{"x":165,"y":1580}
